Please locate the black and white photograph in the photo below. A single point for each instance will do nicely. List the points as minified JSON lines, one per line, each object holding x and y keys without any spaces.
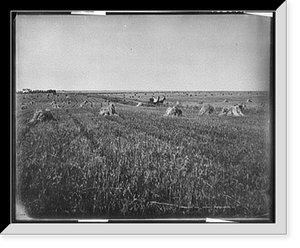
{"x":144,"y":117}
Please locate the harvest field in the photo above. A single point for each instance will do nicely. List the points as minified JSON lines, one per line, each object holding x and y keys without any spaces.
{"x":142,"y":164}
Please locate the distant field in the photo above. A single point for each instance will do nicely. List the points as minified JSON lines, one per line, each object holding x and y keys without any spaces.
{"x":143,"y":164}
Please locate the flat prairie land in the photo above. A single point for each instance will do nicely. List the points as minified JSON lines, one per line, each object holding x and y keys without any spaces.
{"x":142,"y":164}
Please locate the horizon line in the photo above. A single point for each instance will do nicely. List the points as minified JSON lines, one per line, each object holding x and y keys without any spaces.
{"x":68,"y":90}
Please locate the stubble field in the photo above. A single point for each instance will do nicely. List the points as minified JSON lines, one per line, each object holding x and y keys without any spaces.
{"x":143,"y":164}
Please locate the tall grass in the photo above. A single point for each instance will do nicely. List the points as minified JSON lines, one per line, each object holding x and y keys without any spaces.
{"x":143,"y":165}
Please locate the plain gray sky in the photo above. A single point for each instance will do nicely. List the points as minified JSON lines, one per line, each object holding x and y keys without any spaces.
{"x":143,"y":52}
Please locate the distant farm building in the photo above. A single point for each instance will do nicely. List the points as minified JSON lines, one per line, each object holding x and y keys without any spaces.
{"x":24,"y":91}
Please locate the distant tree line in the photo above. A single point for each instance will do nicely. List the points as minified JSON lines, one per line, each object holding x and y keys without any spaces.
{"x":43,"y":91}
{"x":38,"y":91}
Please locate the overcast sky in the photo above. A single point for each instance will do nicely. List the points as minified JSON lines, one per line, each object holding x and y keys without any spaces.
{"x":143,"y":52}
